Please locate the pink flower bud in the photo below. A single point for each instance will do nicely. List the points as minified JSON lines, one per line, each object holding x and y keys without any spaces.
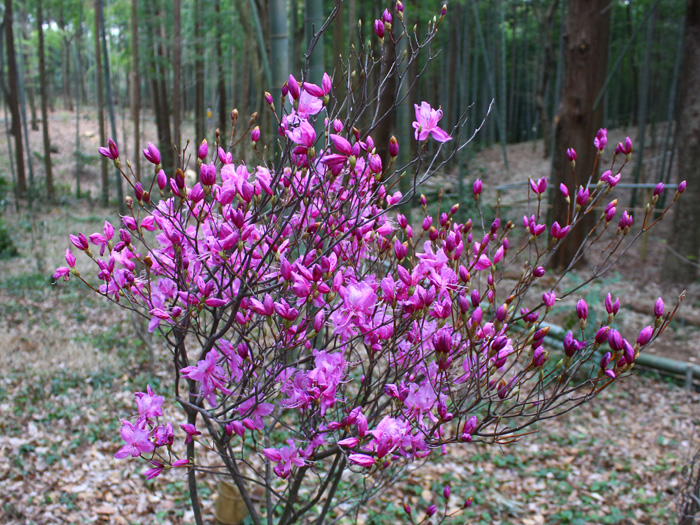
{"x":601,"y":139}
{"x":393,"y":147}
{"x":293,"y":87}
{"x":203,"y":150}
{"x":255,"y":134}
{"x":268,"y":98}
{"x":539,"y":356}
{"x":608,"y":303}
{"x":362,"y":460}
{"x":658,"y":189}
{"x":645,"y":335}
{"x":558,"y":232}
{"x":407,"y":508}
{"x":207,"y":174}
{"x":582,"y":309}
{"x":615,"y":340}
{"x":549,"y":298}
{"x":379,"y":28}
{"x":582,"y":196}
{"x":161,"y":179}
{"x":70,"y":258}
{"x":111,"y":151}
{"x":386,"y":16}
{"x":627,"y":148}
{"x":538,"y":272}
{"x":540,"y":186}
{"x":152,"y":154}
{"x":659,"y":307}
{"x":477,"y":188}
{"x":571,"y":154}
{"x":79,"y":241}
{"x":326,"y":84}
{"x":564,"y":190}
{"x":602,"y":334}
{"x":446,"y":492}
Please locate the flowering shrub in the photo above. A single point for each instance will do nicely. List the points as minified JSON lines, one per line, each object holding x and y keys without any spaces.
{"x":314,"y":331}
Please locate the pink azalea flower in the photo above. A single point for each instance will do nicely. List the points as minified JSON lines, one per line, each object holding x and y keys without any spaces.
{"x":210,"y":375}
{"x":149,"y":404}
{"x":136,"y":439}
{"x":426,"y":123}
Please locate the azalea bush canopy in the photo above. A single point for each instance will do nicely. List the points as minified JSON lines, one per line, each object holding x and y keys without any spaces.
{"x":319,"y":332}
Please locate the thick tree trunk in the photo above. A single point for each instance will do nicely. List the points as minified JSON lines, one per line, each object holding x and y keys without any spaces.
{"x":13,"y":100}
{"x":585,"y":62}
{"x":548,"y":63}
{"x":44,"y":111}
{"x":135,"y":89}
{"x":104,"y":177}
{"x":681,"y":266}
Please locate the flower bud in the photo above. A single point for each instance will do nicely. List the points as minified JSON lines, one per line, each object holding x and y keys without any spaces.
{"x":582,"y":310}
{"x":161,"y":179}
{"x":379,"y":29}
{"x":255,"y":134}
{"x":477,"y":188}
{"x":645,"y":336}
{"x":446,"y":492}
{"x":659,"y":307}
{"x":203,"y":150}
{"x":152,"y":154}
{"x":393,"y":147}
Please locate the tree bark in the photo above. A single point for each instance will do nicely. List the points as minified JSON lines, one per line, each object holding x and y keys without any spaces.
{"x":223,"y":110}
{"x":135,"y":89}
{"x":585,"y":63}
{"x":104,"y":177}
{"x":13,"y":101}
{"x":44,"y":111}
{"x":685,"y":234}
{"x":177,"y":75}
{"x":548,"y":63}
{"x":199,"y":113}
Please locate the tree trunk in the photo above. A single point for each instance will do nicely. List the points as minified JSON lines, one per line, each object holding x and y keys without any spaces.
{"x":313,"y":20}
{"x":165,"y":139}
{"x":44,"y":112}
{"x":685,"y":234}
{"x":548,"y":64}
{"x":199,"y":113}
{"x":135,"y":89}
{"x":110,"y":100}
{"x":104,"y":177}
{"x":13,"y":101}
{"x":177,"y":76}
{"x":585,"y":57}
{"x":223,"y":110}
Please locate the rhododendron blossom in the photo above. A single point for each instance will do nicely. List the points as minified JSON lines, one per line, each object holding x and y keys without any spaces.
{"x":315,"y":329}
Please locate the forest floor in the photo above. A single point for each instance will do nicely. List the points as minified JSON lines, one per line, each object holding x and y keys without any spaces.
{"x":71,"y":363}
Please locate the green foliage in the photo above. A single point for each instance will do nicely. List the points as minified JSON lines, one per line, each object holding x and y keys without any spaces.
{"x":7,"y":246}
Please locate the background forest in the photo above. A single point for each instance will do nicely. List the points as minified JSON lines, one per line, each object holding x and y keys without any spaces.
{"x":75,"y":73}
